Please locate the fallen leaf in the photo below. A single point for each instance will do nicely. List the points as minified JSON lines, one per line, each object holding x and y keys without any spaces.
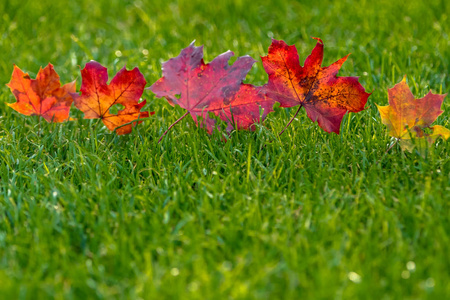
{"x":325,"y":97}
{"x":212,"y":88}
{"x":98,"y":97}
{"x":409,"y":119}
{"x":42,"y":96}
{"x":247,"y":107}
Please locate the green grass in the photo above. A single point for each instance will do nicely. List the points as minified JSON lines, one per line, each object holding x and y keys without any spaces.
{"x":86,"y":214}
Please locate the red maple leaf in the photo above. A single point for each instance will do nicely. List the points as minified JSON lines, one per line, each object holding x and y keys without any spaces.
{"x":43,"y":96}
{"x":212,"y":88}
{"x":97,"y":96}
{"x":325,"y":96}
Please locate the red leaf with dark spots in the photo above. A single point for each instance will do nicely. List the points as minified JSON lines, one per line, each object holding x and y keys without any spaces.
{"x":325,"y":96}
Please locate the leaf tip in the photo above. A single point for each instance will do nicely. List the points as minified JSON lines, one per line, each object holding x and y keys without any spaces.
{"x":249,"y":58}
{"x":318,"y":39}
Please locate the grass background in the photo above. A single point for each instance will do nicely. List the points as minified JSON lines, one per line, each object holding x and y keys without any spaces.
{"x":85,"y":214}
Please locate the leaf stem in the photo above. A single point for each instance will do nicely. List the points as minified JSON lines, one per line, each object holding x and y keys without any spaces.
{"x":281,"y":132}
{"x":96,"y":125}
{"x":139,"y":119}
{"x":298,"y":110}
{"x":170,"y":127}
{"x":390,"y":147}
{"x":39,"y":132}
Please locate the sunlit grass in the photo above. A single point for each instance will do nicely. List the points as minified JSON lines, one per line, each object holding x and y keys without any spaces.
{"x":88,"y":214}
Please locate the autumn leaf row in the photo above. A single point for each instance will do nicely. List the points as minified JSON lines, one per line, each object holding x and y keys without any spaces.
{"x":217,"y":88}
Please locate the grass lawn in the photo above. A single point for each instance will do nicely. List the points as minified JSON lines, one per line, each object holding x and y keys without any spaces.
{"x":86,"y":214}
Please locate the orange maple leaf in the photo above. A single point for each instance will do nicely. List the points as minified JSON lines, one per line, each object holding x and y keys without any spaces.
{"x":42,"y":96}
{"x":407,"y":118}
{"x":97,"y":97}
